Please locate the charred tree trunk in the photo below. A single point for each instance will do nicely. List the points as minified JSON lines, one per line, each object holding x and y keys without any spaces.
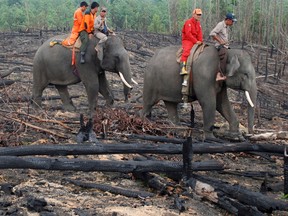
{"x":118,"y":148}
{"x":11,"y":162}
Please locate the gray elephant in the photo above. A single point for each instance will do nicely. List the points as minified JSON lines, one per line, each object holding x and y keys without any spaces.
{"x":163,"y":82}
{"x":52,"y":65}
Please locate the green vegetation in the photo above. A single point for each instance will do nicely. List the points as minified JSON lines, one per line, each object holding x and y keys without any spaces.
{"x":262,"y":22}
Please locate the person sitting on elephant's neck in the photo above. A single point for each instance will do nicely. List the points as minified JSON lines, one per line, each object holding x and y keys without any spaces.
{"x":101,"y":31}
{"x":191,"y":34}
{"x":78,"y":17}
{"x":221,"y":36}
{"x":87,"y":29}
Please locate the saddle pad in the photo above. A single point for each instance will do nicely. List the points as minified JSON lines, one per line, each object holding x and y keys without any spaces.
{"x":179,"y":54}
{"x":59,"y":41}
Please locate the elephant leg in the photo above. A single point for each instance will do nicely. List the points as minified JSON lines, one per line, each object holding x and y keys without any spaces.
{"x":39,"y":84}
{"x":65,"y":98}
{"x":172,"y":111}
{"x":37,"y":96}
{"x":209,"y":111}
{"x":105,"y":90}
{"x":92,"y":89}
{"x":225,"y":109}
{"x":147,"y":108}
{"x":126,"y":93}
{"x":149,"y":100}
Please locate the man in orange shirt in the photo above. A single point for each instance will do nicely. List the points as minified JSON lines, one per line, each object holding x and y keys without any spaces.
{"x":78,"y":17}
{"x":87,"y":28}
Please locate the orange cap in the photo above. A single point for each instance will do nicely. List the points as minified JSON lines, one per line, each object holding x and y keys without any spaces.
{"x":197,"y":11}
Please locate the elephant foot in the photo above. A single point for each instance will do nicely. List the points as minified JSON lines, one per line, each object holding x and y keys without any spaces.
{"x":209,"y":137}
{"x":233,"y":136}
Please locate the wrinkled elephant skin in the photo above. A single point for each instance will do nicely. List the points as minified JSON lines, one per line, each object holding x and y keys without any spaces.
{"x":52,"y":65}
{"x":163,"y":82}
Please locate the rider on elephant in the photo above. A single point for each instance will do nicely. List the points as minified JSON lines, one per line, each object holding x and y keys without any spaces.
{"x":78,"y":17}
{"x":87,"y":28}
{"x":101,"y":31}
{"x":221,"y":35}
{"x":191,"y":34}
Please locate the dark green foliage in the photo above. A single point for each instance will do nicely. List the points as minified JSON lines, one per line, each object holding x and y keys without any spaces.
{"x":258,"y":21}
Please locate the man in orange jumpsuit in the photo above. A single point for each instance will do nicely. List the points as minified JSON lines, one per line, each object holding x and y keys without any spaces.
{"x":87,"y":28}
{"x":191,"y":34}
{"x":78,"y":17}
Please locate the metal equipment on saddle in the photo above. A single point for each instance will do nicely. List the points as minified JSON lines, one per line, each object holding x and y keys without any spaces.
{"x":186,"y":70}
{"x":222,"y":52}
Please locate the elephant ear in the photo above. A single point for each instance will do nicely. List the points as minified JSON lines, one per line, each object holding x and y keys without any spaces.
{"x":232,"y":66}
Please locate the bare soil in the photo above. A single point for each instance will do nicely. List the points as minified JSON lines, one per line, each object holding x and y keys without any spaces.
{"x":39,"y":192}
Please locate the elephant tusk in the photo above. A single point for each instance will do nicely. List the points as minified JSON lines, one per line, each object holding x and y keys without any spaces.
{"x":134,"y":81}
{"x":249,"y":99}
{"x":124,"y":81}
{"x":285,"y":152}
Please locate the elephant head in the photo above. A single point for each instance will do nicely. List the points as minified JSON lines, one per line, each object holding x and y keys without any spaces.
{"x":116,"y":59}
{"x":240,"y":75}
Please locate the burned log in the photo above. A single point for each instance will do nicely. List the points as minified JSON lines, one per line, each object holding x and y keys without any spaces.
{"x":8,"y":72}
{"x":112,"y":189}
{"x":12,"y":162}
{"x":22,"y":99}
{"x":4,"y":82}
{"x":156,"y":138}
{"x":90,"y":149}
{"x":127,"y":148}
{"x":262,"y":202}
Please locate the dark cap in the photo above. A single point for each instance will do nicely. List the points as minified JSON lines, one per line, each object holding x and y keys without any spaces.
{"x":94,"y":5}
{"x":83,"y":3}
{"x":231,"y":16}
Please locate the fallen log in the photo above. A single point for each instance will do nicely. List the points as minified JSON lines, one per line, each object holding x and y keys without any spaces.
{"x":4,"y":82}
{"x":212,"y":194}
{"x":252,"y":174}
{"x":156,"y":138}
{"x":217,"y":188}
{"x":112,"y":189}
{"x":12,"y":162}
{"x":8,"y":72}
{"x":22,"y":99}
{"x":127,"y":148}
{"x":143,"y":53}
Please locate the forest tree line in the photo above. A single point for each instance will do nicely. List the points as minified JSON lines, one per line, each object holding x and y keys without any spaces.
{"x":259,"y":21}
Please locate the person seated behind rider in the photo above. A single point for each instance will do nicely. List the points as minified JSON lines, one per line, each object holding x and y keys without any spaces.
{"x":101,"y":31}
{"x":87,"y":28}
{"x":221,"y":35}
{"x":191,"y":34}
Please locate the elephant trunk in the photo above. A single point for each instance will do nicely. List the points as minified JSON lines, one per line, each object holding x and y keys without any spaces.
{"x":251,"y":106}
{"x":124,"y":71}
